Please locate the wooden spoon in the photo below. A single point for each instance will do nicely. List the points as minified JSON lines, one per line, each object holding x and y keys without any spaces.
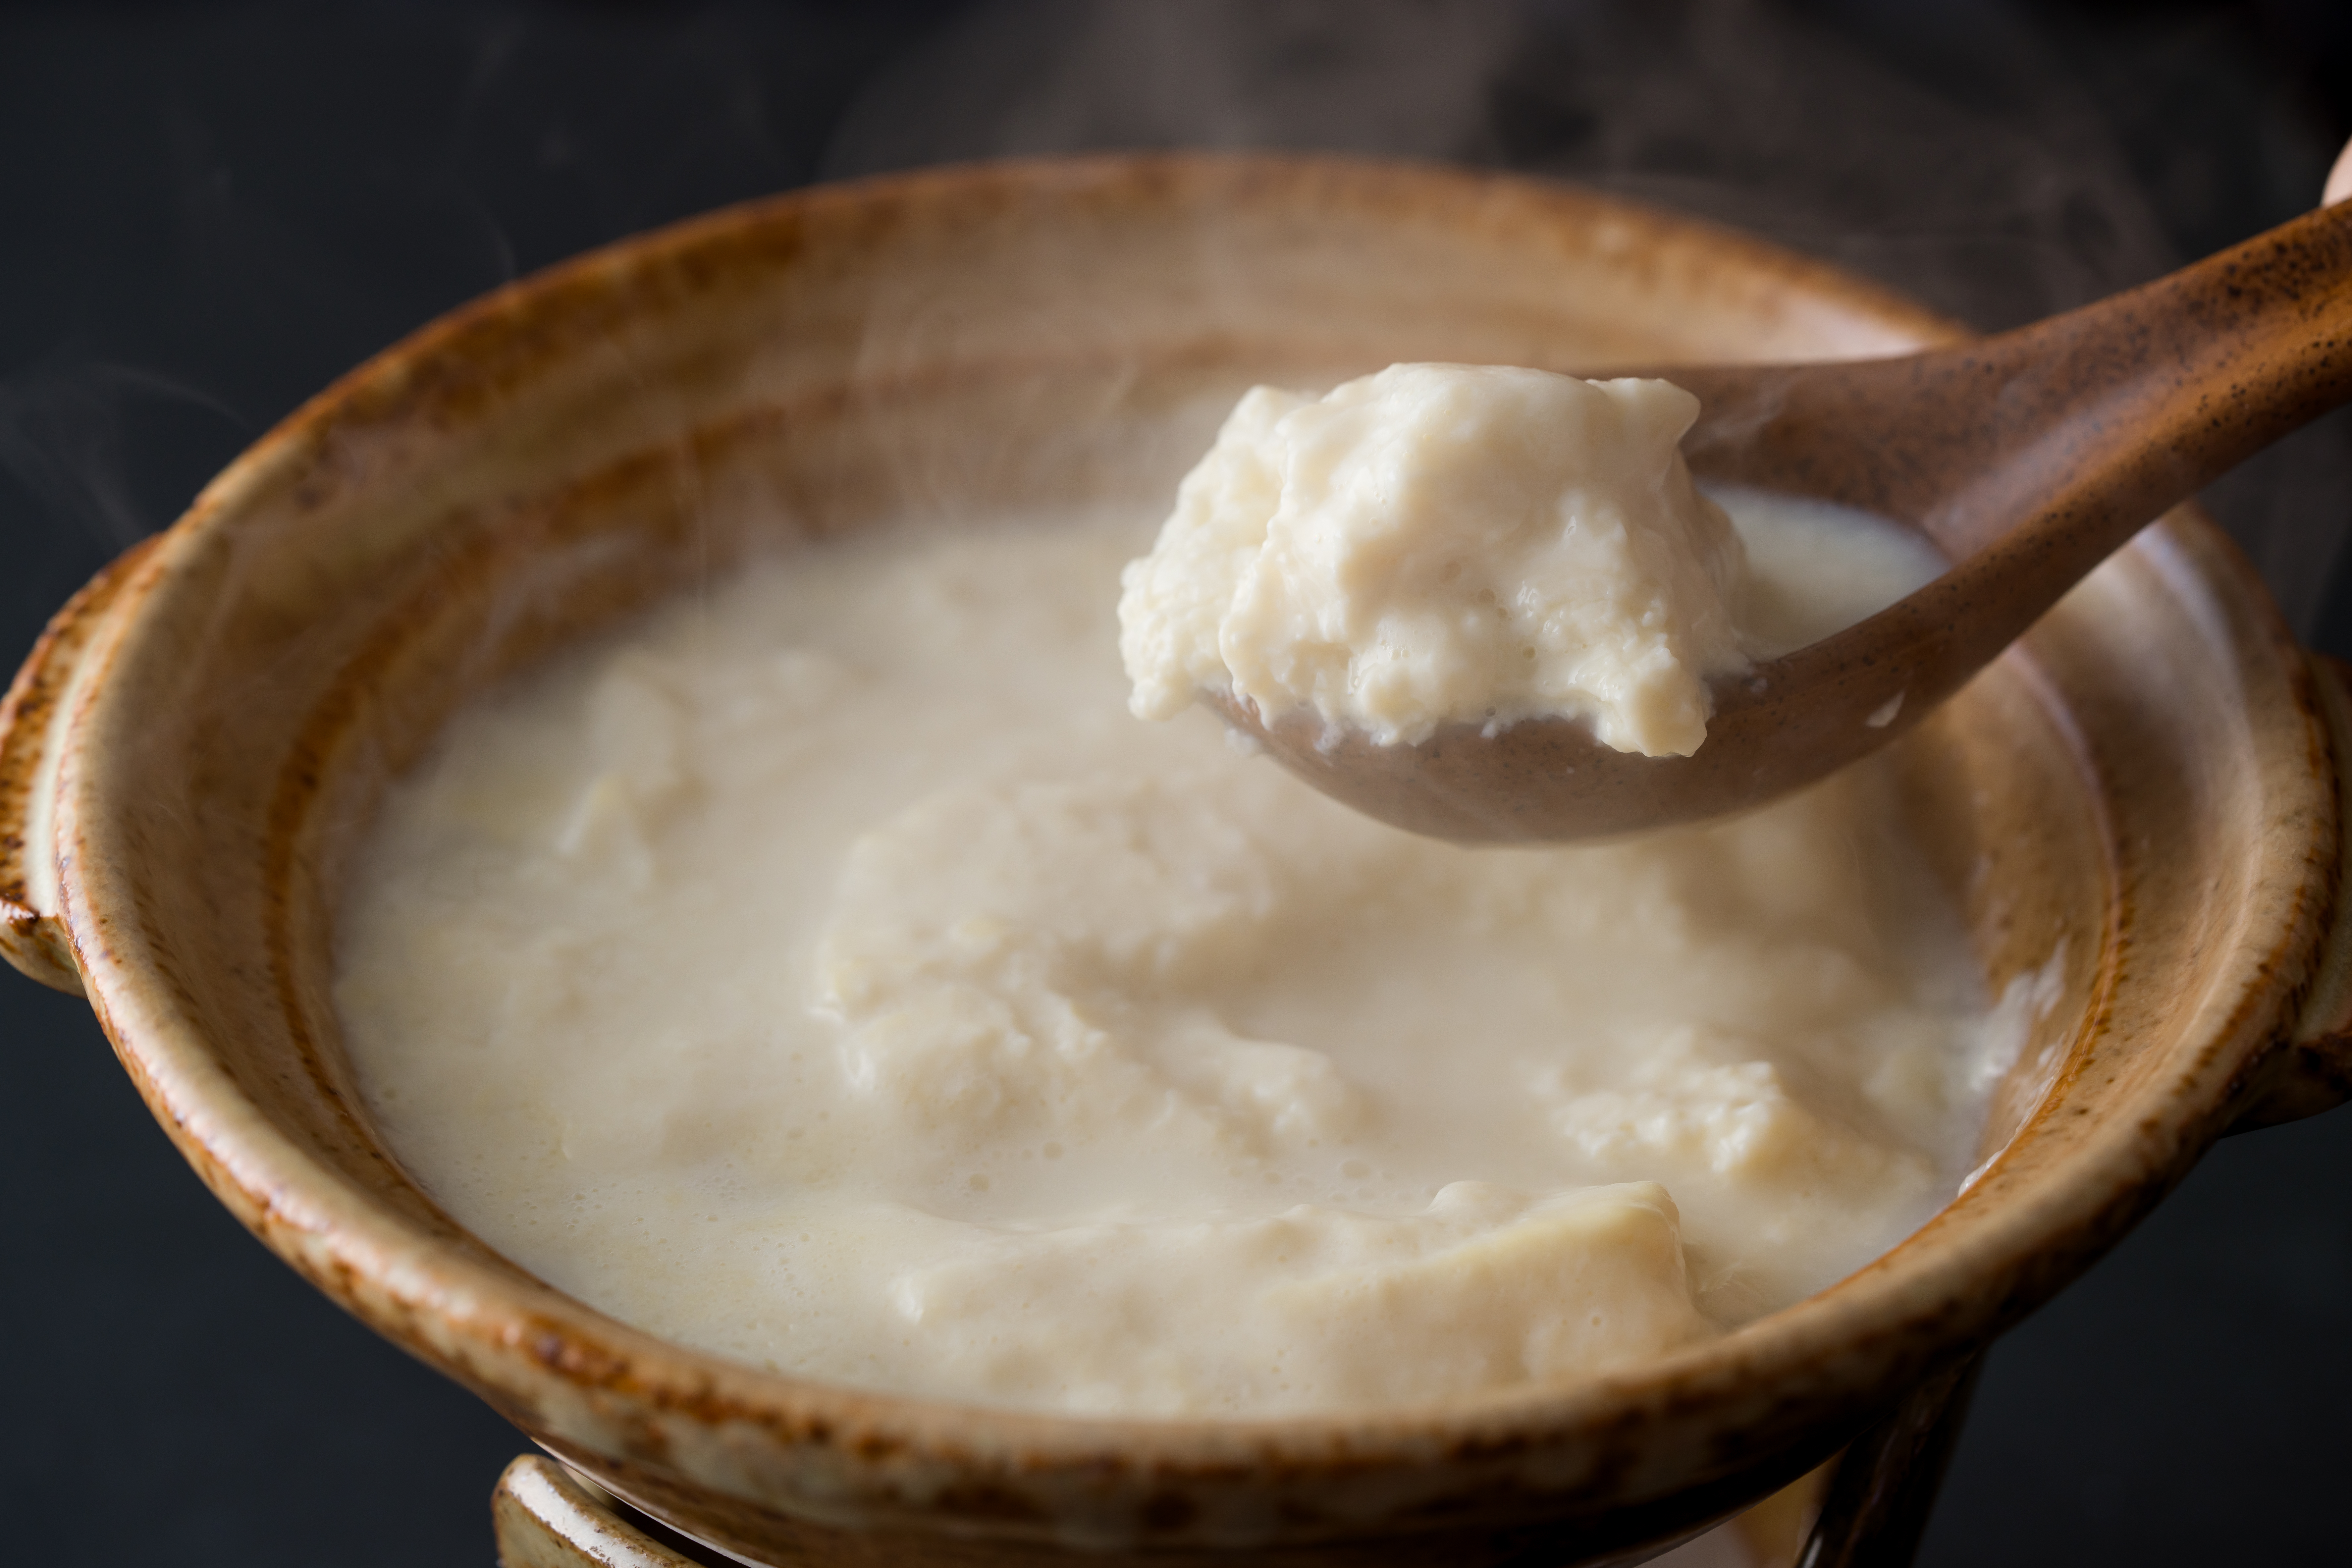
{"x":2027,"y":460}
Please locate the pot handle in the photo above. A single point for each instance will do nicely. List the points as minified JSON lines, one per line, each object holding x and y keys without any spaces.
{"x":2312,"y":1071}
{"x":33,"y":719}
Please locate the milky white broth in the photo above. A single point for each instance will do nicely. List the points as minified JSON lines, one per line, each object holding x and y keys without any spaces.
{"x":827,"y":971}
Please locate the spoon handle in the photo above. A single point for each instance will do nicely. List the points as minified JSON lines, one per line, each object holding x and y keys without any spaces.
{"x":2059,"y":440}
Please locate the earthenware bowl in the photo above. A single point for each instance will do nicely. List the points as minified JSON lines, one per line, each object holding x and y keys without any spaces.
{"x":2140,"y":805}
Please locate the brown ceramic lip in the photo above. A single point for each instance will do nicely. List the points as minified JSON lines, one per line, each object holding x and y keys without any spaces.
{"x":2067,"y":1186}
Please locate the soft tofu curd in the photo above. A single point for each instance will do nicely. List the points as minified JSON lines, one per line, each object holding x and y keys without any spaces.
{"x":1447,"y":543}
{"x":827,"y":971}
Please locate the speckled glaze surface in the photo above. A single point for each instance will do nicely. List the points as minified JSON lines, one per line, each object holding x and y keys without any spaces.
{"x":2143,"y":798}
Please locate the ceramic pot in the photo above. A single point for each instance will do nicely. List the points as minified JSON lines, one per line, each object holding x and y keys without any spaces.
{"x":2140,"y":806}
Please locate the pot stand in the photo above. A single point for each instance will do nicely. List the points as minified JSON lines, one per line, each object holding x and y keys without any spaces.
{"x":545,"y":1516}
{"x":1866,"y":1509}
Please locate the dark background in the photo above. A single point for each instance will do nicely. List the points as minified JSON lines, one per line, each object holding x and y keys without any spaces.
{"x":208,"y":212}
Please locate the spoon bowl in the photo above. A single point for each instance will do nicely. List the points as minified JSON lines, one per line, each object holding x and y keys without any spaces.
{"x":2025,"y":459}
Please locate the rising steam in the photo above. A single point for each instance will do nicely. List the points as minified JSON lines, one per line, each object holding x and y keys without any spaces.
{"x":1995,"y":187}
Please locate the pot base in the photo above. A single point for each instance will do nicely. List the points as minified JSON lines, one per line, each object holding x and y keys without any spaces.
{"x":546,"y":1515}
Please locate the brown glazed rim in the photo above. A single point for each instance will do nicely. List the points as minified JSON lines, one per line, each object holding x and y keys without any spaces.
{"x":1997,"y":1250}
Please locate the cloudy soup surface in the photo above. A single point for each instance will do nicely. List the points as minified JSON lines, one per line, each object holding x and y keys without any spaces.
{"x":828,"y":972}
